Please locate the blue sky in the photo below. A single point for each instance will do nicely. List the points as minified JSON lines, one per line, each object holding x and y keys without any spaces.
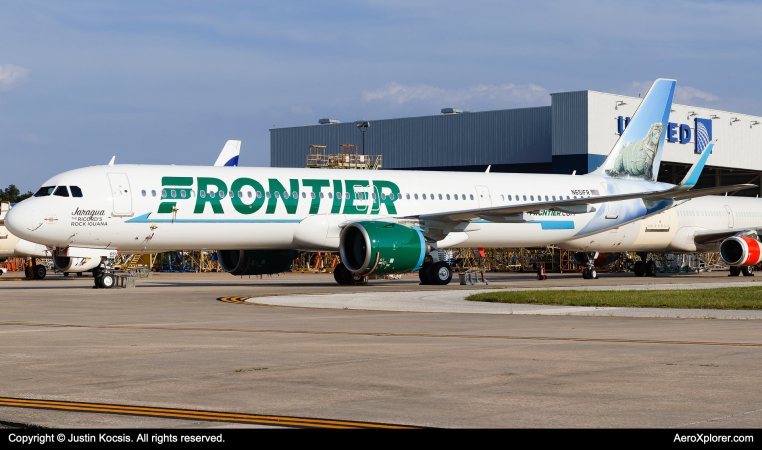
{"x":170,"y":82}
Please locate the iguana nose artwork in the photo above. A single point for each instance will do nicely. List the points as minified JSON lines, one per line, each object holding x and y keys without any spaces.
{"x":637,"y":158}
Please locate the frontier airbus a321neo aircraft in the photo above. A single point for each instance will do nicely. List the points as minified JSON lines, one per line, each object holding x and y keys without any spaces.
{"x":380,"y":221}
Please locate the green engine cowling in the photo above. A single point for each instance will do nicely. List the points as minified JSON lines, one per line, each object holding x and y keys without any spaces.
{"x":256,"y":262}
{"x":381,"y":248}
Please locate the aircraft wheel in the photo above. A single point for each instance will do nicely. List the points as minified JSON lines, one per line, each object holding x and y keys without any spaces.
{"x":440,"y":273}
{"x":342,"y":275}
{"x":66,"y":274}
{"x":734,"y":271}
{"x":39,"y":272}
{"x":423,"y":273}
{"x":593,"y":274}
{"x":586,"y":273}
{"x":28,"y":272}
{"x":106,"y":281}
{"x":639,"y":268}
{"x":79,"y":274}
{"x":747,"y":271}
{"x":651,"y":269}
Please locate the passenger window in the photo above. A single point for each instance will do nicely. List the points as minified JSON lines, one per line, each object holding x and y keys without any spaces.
{"x":416,"y":196}
{"x":61,"y":192}
{"x":440,"y":196}
{"x":153,"y":194}
{"x":248,"y":194}
{"x":456,"y":196}
{"x":163,"y":193}
{"x":554,"y":198}
{"x":143,"y":192}
{"x":432,"y":196}
{"x":304,"y":195}
{"x":472,"y":196}
{"x":338,"y":195}
{"x":407,"y":196}
{"x":321,"y":195}
{"x":182,"y":193}
{"x":202,"y":194}
{"x":44,"y":191}
{"x":525,"y":198}
{"x":211,"y":194}
{"x":267,"y":194}
{"x":259,"y":194}
{"x":546,"y":198}
{"x":448,"y":196}
{"x":509,"y":198}
{"x":295,"y":194}
{"x":531,"y":197}
{"x":277,"y":194}
{"x":383,"y":196}
{"x":312,"y":195}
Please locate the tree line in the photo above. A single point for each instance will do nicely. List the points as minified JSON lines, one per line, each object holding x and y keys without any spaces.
{"x":13,"y":195}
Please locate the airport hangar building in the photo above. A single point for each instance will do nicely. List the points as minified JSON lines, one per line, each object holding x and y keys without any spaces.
{"x":575,"y":133}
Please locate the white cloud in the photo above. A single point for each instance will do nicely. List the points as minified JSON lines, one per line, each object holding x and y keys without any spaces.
{"x":483,"y":93}
{"x":683,"y":94}
{"x":10,"y":75}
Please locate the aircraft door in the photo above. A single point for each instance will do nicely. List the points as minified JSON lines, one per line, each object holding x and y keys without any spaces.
{"x":121,"y":193}
{"x":612,"y":208}
{"x":730,"y":216}
{"x":482,"y":194}
{"x":362,"y":197}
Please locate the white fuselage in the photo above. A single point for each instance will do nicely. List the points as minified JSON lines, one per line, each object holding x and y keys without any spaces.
{"x":673,"y":230}
{"x":122,"y":208}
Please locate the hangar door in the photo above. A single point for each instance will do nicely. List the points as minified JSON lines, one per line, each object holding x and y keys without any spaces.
{"x":121,"y":193}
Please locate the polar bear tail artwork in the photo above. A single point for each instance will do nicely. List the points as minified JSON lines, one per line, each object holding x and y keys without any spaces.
{"x":637,"y":153}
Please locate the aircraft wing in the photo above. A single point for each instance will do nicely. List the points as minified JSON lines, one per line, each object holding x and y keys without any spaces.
{"x":709,"y":236}
{"x":572,"y":206}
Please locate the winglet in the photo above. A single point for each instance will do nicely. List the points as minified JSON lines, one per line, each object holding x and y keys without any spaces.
{"x":488,"y":168}
{"x":691,"y":178}
{"x":112,"y":160}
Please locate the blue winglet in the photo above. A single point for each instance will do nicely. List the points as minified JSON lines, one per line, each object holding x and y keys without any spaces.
{"x":691,"y":178}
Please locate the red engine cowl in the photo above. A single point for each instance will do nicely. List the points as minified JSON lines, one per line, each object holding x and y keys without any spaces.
{"x":741,"y":251}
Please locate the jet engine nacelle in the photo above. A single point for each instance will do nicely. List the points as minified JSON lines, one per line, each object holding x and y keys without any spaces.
{"x":256,"y":262}
{"x":382,"y":248}
{"x":603,"y":259}
{"x":741,"y":251}
{"x":78,"y":259}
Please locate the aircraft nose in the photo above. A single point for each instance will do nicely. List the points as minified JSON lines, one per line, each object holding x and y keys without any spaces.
{"x":20,"y":220}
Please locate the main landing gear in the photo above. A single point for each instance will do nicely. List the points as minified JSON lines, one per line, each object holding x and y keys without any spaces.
{"x":344,"y":277}
{"x":747,"y":271}
{"x":643,"y":268}
{"x":435,"y":273}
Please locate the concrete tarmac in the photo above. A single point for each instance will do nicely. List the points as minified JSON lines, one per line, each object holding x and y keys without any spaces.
{"x":170,"y":343}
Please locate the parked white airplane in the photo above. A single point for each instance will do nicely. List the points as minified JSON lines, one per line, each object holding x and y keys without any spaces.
{"x":729,"y":225}
{"x":380,"y":221}
{"x":13,"y":247}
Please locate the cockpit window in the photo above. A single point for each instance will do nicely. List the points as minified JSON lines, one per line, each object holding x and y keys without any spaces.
{"x":75,"y":191}
{"x":61,"y":191}
{"x":45,"y":191}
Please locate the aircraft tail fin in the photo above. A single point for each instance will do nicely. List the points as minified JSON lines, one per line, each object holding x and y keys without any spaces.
{"x":637,"y":153}
{"x":229,"y":154}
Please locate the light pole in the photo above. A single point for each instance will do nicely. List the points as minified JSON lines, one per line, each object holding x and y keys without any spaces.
{"x":363,"y":127}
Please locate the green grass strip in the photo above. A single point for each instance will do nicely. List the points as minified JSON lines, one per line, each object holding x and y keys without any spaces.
{"x":722,"y":298}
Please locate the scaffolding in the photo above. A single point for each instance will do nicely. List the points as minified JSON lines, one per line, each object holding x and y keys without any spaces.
{"x":347,"y":158}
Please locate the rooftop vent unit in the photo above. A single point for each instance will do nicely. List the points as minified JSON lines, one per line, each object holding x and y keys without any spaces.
{"x":451,"y":111}
{"x":327,"y":121}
